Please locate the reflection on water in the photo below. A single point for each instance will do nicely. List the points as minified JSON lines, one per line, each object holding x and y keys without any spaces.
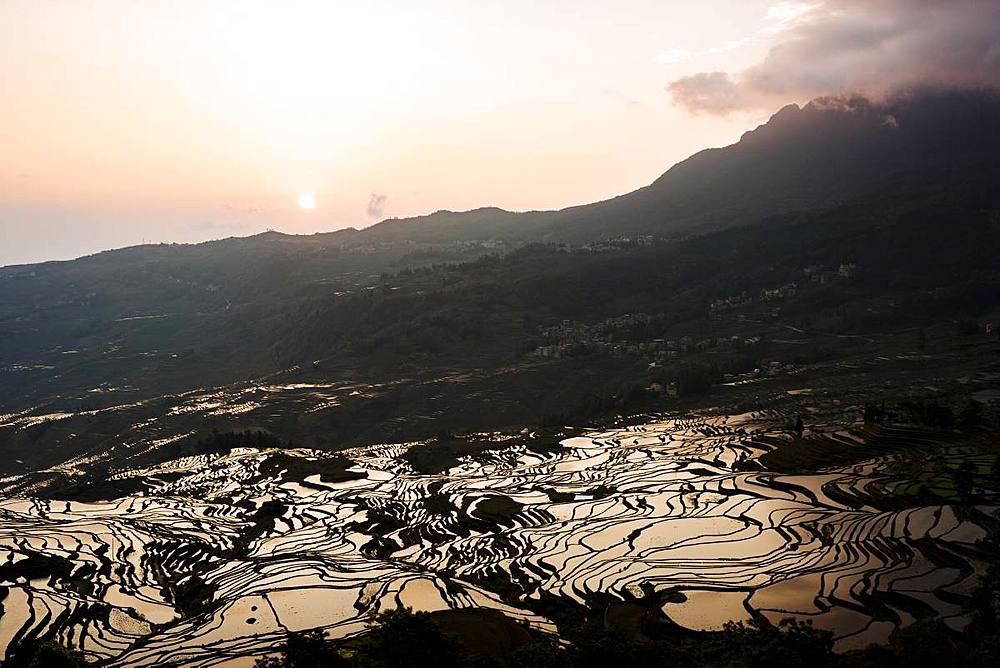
{"x":650,"y":510}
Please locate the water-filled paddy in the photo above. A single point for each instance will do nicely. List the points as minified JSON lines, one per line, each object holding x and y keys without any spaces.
{"x":216,"y":560}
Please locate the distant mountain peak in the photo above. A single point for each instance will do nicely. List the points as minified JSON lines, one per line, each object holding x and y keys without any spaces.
{"x":269,"y":234}
{"x":845,"y":104}
{"x":479,"y":210}
{"x":786,"y":111}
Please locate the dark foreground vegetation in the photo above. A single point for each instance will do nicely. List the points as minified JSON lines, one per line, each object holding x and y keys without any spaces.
{"x":46,"y":654}
{"x":485,"y":639}
{"x":477,"y":639}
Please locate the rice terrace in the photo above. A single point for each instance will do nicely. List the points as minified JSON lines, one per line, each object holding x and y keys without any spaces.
{"x":859,"y":527}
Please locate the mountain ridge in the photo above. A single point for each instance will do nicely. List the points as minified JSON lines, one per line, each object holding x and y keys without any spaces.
{"x":829,"y":150}
{"x":161,"y":318}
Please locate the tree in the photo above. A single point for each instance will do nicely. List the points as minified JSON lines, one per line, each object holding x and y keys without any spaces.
{"x":401,"y":637}
{"x":46,"y":654}
{"x":972,"y":414}
{"x":310,"y":649}
{"x":965,"y":480}
{"x":693,"y":379}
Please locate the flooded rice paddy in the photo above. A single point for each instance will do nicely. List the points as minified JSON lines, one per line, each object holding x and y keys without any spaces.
{"x":221,"y":555}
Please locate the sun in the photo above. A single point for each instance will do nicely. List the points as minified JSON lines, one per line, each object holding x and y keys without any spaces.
{"x":307,"y":201}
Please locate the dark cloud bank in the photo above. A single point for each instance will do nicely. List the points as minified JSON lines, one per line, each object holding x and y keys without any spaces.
{"x":872,"y":47}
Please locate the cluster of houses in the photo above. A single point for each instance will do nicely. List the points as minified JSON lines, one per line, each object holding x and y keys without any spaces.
{"x":612,"y":337}
{"x":722,"y":308}
{"x":816,"y":273}
{"x":767,"y":369}
{"x":744,"y":299}
{"x":481,"y":244}
{"x":621,"y":242}
{"x":600,"y":246}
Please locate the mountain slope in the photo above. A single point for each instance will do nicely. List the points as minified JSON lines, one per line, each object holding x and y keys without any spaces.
{"x":829,"y":151}
{"x":150,"y":320}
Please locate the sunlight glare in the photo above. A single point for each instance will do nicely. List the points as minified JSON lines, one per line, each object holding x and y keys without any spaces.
{"x":307,"y":201}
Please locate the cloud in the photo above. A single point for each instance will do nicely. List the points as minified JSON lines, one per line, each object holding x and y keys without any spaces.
{"x":707,"y":92}
{"x":780,"y":17}
{"x":375,"y":205}
{"x":674,"y":56}
{"x":787,"y":12}
{"x":680,"y":55}
{"x":867,"y":46}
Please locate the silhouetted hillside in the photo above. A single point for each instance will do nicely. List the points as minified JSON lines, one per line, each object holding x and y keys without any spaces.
{"x":904,"y":191}
{"x":830,"y":151}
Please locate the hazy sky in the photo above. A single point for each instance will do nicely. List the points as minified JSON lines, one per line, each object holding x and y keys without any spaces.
{"x":124,"y":121}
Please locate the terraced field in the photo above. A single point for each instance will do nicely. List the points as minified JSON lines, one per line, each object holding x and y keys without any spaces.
{"x":218,"y":556}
